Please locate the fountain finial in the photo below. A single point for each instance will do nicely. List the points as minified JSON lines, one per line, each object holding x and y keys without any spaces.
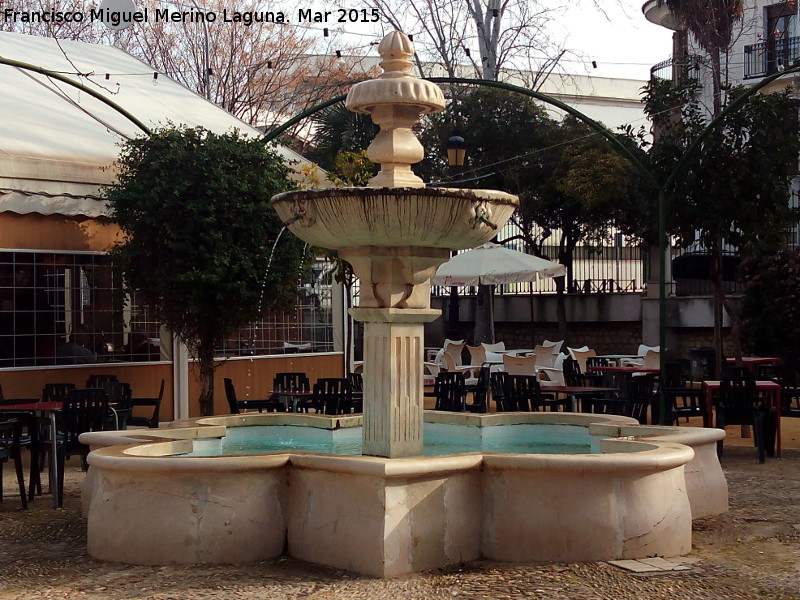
{"x":395,"y":100}
{"x":396,"y":50}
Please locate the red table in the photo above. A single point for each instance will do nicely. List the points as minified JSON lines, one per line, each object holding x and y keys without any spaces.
{"x":48,"y":409}
{"x":766,"y":385}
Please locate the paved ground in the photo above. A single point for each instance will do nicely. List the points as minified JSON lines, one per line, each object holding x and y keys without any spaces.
{"x":751,"y":552}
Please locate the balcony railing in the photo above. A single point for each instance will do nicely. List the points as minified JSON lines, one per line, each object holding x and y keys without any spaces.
{"x":766,"y":58}
{"x":675,"y":70}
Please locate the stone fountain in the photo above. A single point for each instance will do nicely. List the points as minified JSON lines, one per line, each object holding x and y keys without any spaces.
{"x":395,"y":233}
{"x":394,"y":512}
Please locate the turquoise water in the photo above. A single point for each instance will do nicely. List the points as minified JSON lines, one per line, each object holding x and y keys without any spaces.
{"x":439,"y":439}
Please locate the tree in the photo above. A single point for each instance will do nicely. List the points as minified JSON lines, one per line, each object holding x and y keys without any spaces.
{"x":489,"y":35}
{"x":711,"y":22}
{"x":770,"y":306}
{"x":573,"y":185}
{"x":734,"y":191}
{"x":200,"y":235}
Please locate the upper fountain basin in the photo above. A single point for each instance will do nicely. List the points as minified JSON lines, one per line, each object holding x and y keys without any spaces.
{"x":423,"y":217}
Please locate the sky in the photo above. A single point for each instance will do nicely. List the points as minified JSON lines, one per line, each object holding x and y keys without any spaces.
{"x":624,"y":45}
{"x":622,"y":42}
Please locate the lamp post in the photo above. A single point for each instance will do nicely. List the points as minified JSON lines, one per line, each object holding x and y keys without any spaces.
{"x":456,"y":156}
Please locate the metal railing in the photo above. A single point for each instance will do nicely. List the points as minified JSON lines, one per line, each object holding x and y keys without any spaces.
{"x":766,"y":58}
{"x":675,"y":70}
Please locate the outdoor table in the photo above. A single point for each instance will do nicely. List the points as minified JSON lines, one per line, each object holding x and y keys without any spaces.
{"x":576,"y":391}
{"x":618,"y":357}
{"x":751,"y":362}
{"x":515,"y":352}
{"x":767,"y":385}
{"x":48,"y":409}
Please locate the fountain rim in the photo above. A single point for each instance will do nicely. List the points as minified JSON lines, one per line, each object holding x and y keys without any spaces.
{"x":402,"y":193}
{"x":637,"y":448}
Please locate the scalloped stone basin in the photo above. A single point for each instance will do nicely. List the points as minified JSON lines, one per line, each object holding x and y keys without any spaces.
{"x":414,"y":217}
{"x":386,"y":517}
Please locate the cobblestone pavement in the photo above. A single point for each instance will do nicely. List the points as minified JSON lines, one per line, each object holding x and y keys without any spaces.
{"x":751,"y":552}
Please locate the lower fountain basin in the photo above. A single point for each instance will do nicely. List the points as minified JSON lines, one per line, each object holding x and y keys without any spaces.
{"x":385,"y":517}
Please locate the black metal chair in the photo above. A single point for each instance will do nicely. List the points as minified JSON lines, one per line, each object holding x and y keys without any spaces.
{"x":639,"y":399}
{"x":56,"y":392}
{"x":480,"y":392}
{"x":236,"y":406}
{"x":738,"y":403}
{"x":120,"y":403}
{"x":497,"y":388}
{"x":332,"y":396}
{"x":83,"y":410}
{"x":357,"y":383}
{"x":450,"y":391}
{"x":574,"y":377}
{"x":155,"y":403}
{"x":291,"y":382}
{"x":10,"y":449}
{"x":523,"y":393}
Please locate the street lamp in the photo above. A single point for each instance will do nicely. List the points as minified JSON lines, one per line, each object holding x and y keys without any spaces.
{"x":456,"y":156}
{"x":456,"y":151}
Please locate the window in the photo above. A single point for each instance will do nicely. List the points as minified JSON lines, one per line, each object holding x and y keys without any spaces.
{"x":782,"y":42}
{"x":308,"y":329}
{"x":70,"y":308}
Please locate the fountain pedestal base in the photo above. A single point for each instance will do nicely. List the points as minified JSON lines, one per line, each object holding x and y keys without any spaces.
{"x":393,"y":390}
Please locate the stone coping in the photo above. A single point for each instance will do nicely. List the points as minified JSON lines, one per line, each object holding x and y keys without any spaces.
{"x":629,"y":446}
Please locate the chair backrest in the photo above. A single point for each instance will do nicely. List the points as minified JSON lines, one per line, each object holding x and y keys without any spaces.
{"x":522,"y":393}
{"x":356,"y":382}
{"x":581,"y":354}
{"x":230,"y":396}
{"x":480,"y":396}
{"x":642,"y":351}
{"x":56,"y":392}
{"x":454,"y":349}
{"x":98,"y":381}
{"x":545,"y":357}
{"x":520,"y":365}
{"x":477,"y":355}
{"x":83,"y":410}
{"x":449,"y":390}
{"x":652,"y":359}
{"x":596,"y":361}
{"x":551,"y":377}
{"x":555,"y":347}
{"x":332,"y":395}
{"x":640,"y":396}
{"x":497,"y":383}
{"x":119,"y":394}
{"x":496,"y":347}
{"x":155,"y":403}
{"x":738,"y":399}
{"x":291,"y":381}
